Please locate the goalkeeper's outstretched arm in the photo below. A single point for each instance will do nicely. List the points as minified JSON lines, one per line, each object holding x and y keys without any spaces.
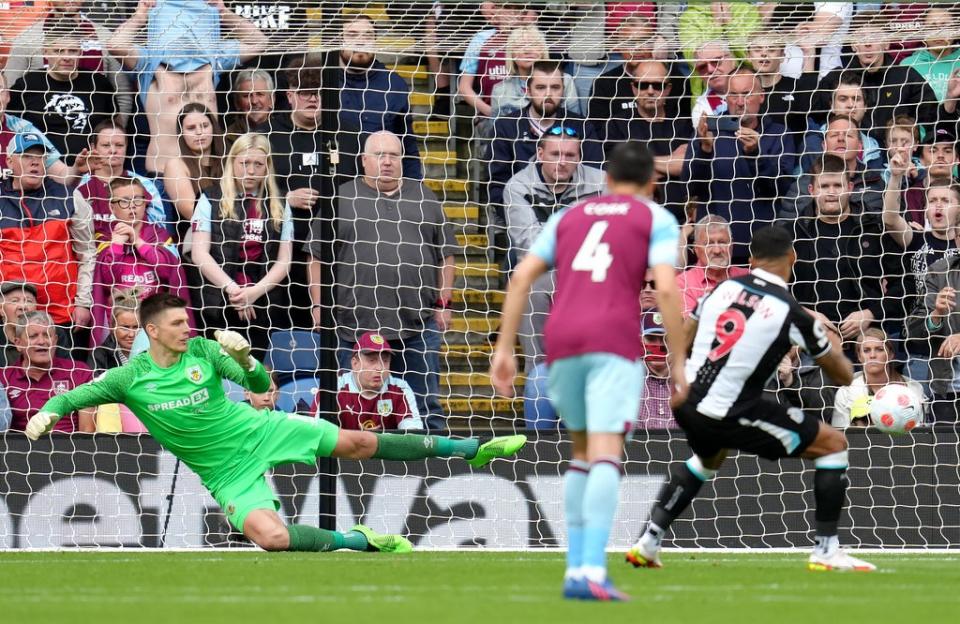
{"x":108,"y":388}
{"x":230,"y":355}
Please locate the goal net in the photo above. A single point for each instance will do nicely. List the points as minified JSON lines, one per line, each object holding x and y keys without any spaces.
{"x":323,"y":175}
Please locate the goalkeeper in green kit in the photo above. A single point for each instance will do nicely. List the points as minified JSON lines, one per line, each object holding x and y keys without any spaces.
{"x":176,"y":390}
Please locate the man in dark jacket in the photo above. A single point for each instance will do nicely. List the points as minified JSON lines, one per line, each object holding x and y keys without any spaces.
{"x":889,"y":89}
{"x":515,"y":136}
{"x":372,"y":98}
{"x":738,"y":174}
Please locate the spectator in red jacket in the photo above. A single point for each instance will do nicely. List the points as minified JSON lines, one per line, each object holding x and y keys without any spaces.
{"x":369,"y":397}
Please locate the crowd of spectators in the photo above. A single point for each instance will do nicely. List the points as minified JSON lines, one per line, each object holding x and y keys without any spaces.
{"x":180,"y":152}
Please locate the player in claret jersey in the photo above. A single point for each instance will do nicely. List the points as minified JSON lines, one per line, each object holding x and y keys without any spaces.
{"x":176,"y":390}
{"x":601,"y":249}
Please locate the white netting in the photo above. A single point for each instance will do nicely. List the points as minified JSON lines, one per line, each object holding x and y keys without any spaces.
{"x":188,"y":96}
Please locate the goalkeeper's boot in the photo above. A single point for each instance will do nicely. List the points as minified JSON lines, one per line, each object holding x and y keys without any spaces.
{"x":838,"y":561}
{"x":504,"y":446}
{"x":377,"y":542}
{"x":584,"y":589}
{"x":644,"y":554}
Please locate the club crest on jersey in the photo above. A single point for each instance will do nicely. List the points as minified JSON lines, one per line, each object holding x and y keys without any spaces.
{"x":195,"y":374}
{"x":385,"y":407}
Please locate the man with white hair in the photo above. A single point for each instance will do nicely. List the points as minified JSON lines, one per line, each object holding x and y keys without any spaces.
{"x":714,"y":64}
{"x":393,"y":269}
{"x":712,"y":245}
{"x":253,"y":101}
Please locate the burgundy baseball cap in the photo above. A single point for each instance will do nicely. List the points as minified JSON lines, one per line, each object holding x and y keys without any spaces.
{"x":372,"y":342}
{"x":652,"y":323}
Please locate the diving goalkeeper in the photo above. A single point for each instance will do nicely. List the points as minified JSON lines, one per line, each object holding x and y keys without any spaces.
{"x":176,"y":390}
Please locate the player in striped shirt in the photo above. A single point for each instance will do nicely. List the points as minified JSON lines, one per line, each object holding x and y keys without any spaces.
{"x":601,"y":249}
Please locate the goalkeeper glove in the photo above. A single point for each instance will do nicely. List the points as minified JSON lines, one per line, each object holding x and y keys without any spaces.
{"x":237,"y":347}
{"x":41,"y":423}
{"x":860,"y":408}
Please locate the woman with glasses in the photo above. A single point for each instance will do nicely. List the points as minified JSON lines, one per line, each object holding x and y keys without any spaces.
{"x":137,"y":255}
{"x":242,"y":246}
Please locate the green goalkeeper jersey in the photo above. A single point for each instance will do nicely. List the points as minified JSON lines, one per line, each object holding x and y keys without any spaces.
{"x":184,"y":406}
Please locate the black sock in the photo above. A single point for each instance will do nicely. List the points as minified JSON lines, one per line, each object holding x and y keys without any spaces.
{"x":675,"y":496}
{"x":829,"y":489}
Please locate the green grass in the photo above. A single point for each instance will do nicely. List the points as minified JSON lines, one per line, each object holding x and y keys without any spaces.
{"x":462,"y":587}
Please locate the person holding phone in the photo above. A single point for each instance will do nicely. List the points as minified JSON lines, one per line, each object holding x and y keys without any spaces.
{"x":738,"y":162}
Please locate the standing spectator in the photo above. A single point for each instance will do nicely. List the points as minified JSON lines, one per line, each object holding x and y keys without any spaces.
{"x":39,"y":375}
{"x":841,"y":138}
{"x":714,"y":251}
{"x":394,"y":269}
{"x":372,"y":98}
{"x":714,"y":65}
{"x":108,"y":154}
{"x":242,"y":245}
{"x":554,"y":181}
{"x":64,"y":102}
{"x":786,"y":98}
{"x":45,"y":240}
{"x":739,"y":174}
{"x":27,"y":54}
{"x":481,"y":70}
{"x":253,"y":101}
{"x":137,"y":255}
{"x":655,"y":412}
{"x":10,"y":126}
{"x":648,"y":121}
{"x":733,"y":22}
{"x":838,"y":271}
{"x":939,"y":58}
{"x":124,"y":325}
{"x":937,"y":324}
{"x":369,"y":398}
{"x":181,"y":63}
{"x":827,"y":31}
{"x":516,"y":136}
{"x":888,"y":89}
{"x":198,"y":164}
{"x":876,"y":354}
{"x":526,"y":46}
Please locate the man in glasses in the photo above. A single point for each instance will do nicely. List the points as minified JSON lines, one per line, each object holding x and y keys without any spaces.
{"x":649,"y":121}
{"x":714,"y":63}
{"x":554,"y":181}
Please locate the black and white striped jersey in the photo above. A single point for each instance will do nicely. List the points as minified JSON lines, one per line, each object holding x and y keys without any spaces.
{"x":746,"y":326}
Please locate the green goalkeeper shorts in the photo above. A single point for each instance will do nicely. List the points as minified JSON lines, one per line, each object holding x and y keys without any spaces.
{"x":284,"y":439}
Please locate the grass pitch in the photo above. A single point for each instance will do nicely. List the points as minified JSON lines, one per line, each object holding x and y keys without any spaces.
{"x":462,"y":587}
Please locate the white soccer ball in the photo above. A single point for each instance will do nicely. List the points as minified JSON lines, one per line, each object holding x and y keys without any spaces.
{"x":896,"y":409}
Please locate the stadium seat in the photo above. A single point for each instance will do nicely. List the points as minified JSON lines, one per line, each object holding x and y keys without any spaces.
{"x":233,"y":391}
{"x":292,"y":392}
{"x":293,"y":354}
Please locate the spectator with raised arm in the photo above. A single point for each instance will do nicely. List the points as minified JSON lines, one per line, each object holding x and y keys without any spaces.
{"x":712,"y":245}
{"x":186,"y":52}
{"x":136,"y":255}
{"x":242,"y":246}
{"x":198,"y":165}
{"x":394,"y":269}
{"x":786,"y":98}
{"x":939,"y":58}
{"x":27,"y":50}
{"x":526,"y":46}
{"x":938,"y":161}
{"x":738,"y":167}
{"x":39,"y":375}
{"x":253,"y":103}
{"x":45,"y":239}
{"x":108,"y":156}
{"x":876,"y":354}
{"x":714,"y":63}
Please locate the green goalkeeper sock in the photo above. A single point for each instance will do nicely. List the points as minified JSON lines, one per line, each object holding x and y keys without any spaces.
{"x":402,"y":447}
{"x":305,"y":538}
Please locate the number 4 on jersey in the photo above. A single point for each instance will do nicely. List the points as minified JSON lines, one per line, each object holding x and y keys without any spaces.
{"x":593,"y":255}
